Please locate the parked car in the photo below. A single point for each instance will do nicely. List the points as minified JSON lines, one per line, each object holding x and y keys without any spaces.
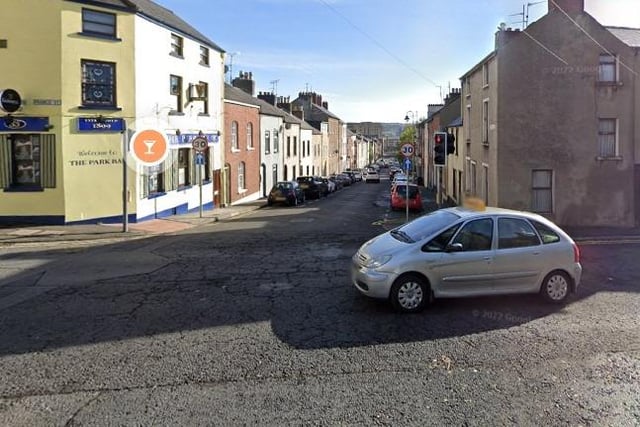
{"x":351,"y":176}
{"x":312,"y":186}
{"x":346,"y":179}
{"x":288,"y":192}
{"x":399,"y":179}
{"x":331,"y":186}
{"x":372,"y":176}
{"x":336,"y":181}
{"x":357,"y":174}
{"x":399,"y":198}
{"x":464,"y":252}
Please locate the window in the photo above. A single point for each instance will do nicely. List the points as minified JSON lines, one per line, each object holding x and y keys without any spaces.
{"x":204,"y":55}
{"x":439,"y":243}
{"x":275,"y":141}
{"x":485,"y":189}
{"x":474,"y":182}
{"x":467,"y":86}
{"x":542,"y":194}
{"x":98,"y":84}
{"x":234,"y":136}
{"x":176,"y":45}
{"x":203,"y":93}
{"x":154,"y":177}
{"x":485,"y":121}
{"x":485,"y":74}
{"x":175,"y":90}
{"x":516,"y":233}
{"x":27,"y":162}
{"x":241,"y":183}
{"x":308,"y":148}
{"x":288,"y":146}
{"x":98,"y":23}
{"x":250,"y":136}
{"x":607,"y":130}
{"x":607,"y":70}
{"x":267,"y":142}
{"x":476,"y":235}
{"x":184,"y":167}
{"x":546,"y":234}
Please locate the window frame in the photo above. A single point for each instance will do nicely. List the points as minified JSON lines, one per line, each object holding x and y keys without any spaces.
{"x":34,"y":141}
{"x":177,"y":46}
{"x":250,"y":136}
{"x":242,"y":169}
{"x":177,"y":93}
{"x":276,"y":141}
{"x":607,"y":61}
{"x":204,"y":56}
{"x":85,"y":84}
{"x":524,"y":223}
{"x":469,"y":223}
{"x":541,"y":188}
{"x":235,"y":146}
{"x":485,"y":121}
{"x":184,"y":162}
{"x":267,"y":142}
{"x":604,"y":135}
{"x":102,"y":34}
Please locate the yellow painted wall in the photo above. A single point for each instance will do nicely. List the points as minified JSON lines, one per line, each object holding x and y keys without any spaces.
{"x":30,"y":65}
{"x":93,"y":176}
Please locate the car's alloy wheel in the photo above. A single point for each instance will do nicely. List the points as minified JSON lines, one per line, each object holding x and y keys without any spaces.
{"x":410,"y":294}
{"x":556,"y":287}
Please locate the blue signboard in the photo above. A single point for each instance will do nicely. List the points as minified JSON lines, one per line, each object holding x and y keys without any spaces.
{"x":199,"y":159}
{"x":24,"y":124}
{"x":95,"y":124}
{"x":185,"y":138}
{"x":407,"y":164}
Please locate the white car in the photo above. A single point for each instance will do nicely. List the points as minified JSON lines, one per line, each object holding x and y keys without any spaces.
{"x":465,"y":252}
{"x":371,"y":176}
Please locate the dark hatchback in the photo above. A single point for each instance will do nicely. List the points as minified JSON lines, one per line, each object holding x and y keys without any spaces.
{"x":287,"y":192}
{"x":313,"y":186}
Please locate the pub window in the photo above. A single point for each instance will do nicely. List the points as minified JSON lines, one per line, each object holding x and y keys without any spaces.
{"x":176,"y":45}
{"x":184,"y":163}
{"x":27,"y":162}
{"x":204,"y":55}
{"x":155,"y":179}
{"x":175,"y":90}
{"x":98,"y":83}
{"x":98,"y":23}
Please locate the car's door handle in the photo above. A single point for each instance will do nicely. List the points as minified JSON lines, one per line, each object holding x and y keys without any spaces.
{"x":487,"y":258}
{"x":536,"y":253}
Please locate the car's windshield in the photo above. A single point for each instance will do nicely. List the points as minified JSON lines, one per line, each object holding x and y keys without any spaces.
{"x":427,"y":225}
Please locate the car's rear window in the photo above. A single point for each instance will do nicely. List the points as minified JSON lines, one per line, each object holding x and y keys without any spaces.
{"x":546,"y":234}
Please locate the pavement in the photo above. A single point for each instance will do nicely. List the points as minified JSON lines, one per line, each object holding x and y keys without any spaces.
{"x":11,"y":235}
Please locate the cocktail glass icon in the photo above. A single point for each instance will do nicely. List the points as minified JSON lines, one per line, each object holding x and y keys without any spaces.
{"x":149,"y":143}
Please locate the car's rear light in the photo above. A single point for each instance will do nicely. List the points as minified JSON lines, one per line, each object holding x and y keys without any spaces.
{"x":576,"y":253}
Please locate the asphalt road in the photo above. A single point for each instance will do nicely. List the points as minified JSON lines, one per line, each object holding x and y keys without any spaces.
{"x":254,"y":321}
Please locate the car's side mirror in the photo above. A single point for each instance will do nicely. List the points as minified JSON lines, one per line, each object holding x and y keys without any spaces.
{"x":454,"y":247}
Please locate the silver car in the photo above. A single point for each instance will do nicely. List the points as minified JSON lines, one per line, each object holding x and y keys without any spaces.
{"x":463,"y":252}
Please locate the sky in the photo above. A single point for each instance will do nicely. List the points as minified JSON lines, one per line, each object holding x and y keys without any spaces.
{"x":371,"y":60}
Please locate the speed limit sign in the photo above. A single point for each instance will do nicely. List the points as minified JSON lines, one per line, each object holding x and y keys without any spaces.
{"x":407,"y":150}
{"x":199,"y":144}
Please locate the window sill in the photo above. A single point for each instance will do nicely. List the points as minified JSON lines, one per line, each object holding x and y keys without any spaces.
{"x":205,"y":64}
{"x":156,"y":195}
{"x":204,"y":115}
{"x":23,"y":189}
{"x":608,"y":83}
{"x":485,"y":86}
{"x":176,"y":113}
{"x":99,"y":36}
{"x":176,"y":55}
{"x":609,"y":158}
{"x":242,"y":190}
{"x":235,"y":150}
{"x":251,"y":149}
{"x":99,"y":107}
{"x":184,"y":187}
{"x":206,"y":182}
{"x":486,"y":144}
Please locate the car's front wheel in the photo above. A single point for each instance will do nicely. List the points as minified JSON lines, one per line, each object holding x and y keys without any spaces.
{"x":556,"y":287}
{"x":410,"y":293}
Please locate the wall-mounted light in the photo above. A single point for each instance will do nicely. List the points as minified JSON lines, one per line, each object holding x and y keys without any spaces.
{"x":178,"y":133}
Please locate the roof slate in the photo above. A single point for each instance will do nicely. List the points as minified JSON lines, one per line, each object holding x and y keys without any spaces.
{"x":629,"y":36}
{"x":156,"y":13}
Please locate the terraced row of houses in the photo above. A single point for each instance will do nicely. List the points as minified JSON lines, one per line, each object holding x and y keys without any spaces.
{"x":547,"y":122}
{"x":84,"y":75}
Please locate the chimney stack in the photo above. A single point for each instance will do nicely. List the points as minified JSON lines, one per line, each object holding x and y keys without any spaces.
{"x":572,"y":7}
{"x":298,"y":111}
{"x":325,"y":105}
{"x":268,"y":97}
{"x":245,"y":82}
{"x":284,"y":103}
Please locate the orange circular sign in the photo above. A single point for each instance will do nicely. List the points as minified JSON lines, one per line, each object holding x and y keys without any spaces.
{"x":149,"y":147}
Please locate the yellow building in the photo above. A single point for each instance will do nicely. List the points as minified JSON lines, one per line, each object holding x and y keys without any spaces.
{"x":76,"y":86}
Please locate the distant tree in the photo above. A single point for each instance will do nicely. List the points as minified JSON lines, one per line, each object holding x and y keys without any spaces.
{"x":408,"y":135}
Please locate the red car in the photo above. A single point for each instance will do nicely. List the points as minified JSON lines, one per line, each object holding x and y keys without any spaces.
{"x":399,"y":197}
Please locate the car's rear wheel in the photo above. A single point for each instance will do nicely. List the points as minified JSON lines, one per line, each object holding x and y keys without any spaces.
{"x":556,"y":287}
{"x":410,"y":293}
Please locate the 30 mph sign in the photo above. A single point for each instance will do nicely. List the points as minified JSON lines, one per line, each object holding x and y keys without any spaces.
{"x":407,"y":150}
{"x":199,"y":144}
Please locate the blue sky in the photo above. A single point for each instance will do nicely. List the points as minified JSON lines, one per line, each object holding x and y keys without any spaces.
{"x":372,"y":60}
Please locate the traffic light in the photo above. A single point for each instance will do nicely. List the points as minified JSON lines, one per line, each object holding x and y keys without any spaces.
{"x":451,"y":144}
{"x":440,"y":148}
